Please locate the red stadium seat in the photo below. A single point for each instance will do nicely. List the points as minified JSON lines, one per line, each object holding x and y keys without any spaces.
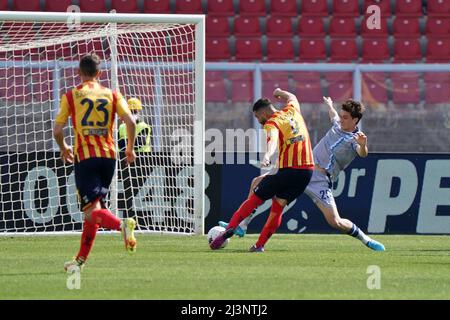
{"x":182,"y":48}
{"x":275,"y":76}
{"x":272,"y":80}
{"x":248,"y":49}
{"x":278,"y":27}
{"x":241,"y":91}
{"x":283,"y":8}
{"x":247,"y":26}
{"x":214,"y":75}
{"x":268,"y":86}
{"x":436,"y":76}
{"x":280,"y":49}
{"x":241,"y":86}
{"x":374,"y":33}
{"x":438,"y":8}
{"x":343,"y":50}
{"x":216,"y":92}
{"x":438,"y":27}
{"x":342,"y":27}
{"x":57,"y":6}
{"x":92,"y":6}
{"x":189,"y":7}
{"x":11,"y":30}
{"x":405,"y":87}
{"x":157,"y":6}
{"x":102,"y":50}
{"x":217,"y":26}
{"x":375,"y":50}
{"x":407,"y":50}
{"x":29,"y":5}
{"x":314,"y":8}
{"x":252,"y":8}
{"x":312,"y":50}
{"x":311,"y":27}
{"x":410,"y":8}
{"x":339,"y":84}
{"x":406,"y":27}
{"x":125,"y":6}
{"x":220,"y":8}
{"x":307,"y":87}
{"x":385,"y":7}
{"x":437,"y":92}
{"x":438,"y":50}
{"x":374,"y":88}
{"x":56,"y":52}
{"x":437,"y":87}
{"x":348,"y":8}
{"x":215,"y":87}
{"x":217,"y":49}
{"x":4,"y":5}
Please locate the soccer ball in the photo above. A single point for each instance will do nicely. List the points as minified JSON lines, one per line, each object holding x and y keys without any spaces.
{"x":214,"y":232}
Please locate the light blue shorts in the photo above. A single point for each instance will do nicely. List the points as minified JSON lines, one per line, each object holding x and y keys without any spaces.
{"x":319,"y":189}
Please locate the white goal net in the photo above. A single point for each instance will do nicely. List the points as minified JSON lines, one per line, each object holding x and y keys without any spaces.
{"x":159,"y":62}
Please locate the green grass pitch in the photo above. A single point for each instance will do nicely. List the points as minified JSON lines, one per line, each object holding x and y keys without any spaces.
{"x":183,"y":267}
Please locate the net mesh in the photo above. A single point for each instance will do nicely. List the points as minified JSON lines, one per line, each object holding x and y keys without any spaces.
{"x":38,"y":63}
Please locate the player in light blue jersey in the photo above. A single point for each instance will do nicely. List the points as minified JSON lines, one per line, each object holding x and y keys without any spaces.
{"x":334,"y":152}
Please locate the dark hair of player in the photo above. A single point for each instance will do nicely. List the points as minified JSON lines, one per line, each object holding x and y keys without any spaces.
{"x":90,"y":65}
{"x":261,"y":104}
{"x":355,"y":108}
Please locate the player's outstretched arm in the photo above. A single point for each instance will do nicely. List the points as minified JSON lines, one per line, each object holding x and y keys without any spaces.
{"x":272,"y":145}
{"x":331,"y":111}
{"x":361,"y":149}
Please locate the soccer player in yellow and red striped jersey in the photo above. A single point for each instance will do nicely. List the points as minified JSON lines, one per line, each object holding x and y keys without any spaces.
{"x":92,"y":109}
{"x":286,"y":130}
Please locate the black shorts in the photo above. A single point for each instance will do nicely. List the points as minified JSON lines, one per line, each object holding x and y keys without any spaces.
{"x":92,"y":178}
{"x":287,"y":184}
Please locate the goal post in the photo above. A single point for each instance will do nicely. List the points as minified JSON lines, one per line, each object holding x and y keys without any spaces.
{"x":158,"y":59}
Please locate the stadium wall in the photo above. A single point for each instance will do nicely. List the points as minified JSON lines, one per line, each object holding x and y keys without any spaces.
{"x":383,"y":193}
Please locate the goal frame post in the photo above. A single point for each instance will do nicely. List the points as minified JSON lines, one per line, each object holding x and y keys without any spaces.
{"x":199,"y":117}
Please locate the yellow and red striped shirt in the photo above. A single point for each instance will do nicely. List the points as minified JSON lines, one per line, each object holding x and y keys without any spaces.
{"x":92,"y":109}
{"x":294,"y":145}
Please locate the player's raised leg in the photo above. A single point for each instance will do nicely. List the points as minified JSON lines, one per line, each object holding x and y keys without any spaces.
{"x":241,"y":229}
{"x":243,"y":212}
{"x":331,"y":214}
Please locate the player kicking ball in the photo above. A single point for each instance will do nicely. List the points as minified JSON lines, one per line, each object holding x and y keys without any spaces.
{"x":286,"y":129}
{"x":92,"y":109}
{"x":334,"y":152}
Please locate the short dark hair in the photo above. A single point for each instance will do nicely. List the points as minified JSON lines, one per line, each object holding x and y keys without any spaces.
{"x":355,"y":108}
{"x":90,"y":64}
{"x":261,"y":103}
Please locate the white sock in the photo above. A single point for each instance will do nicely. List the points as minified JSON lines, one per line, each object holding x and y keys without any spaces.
{"x":358,"y":233}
